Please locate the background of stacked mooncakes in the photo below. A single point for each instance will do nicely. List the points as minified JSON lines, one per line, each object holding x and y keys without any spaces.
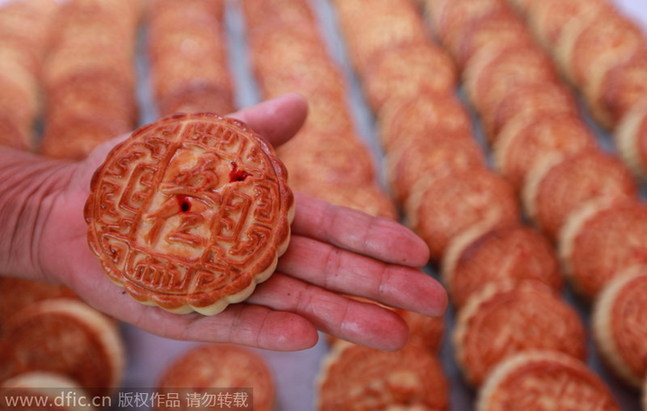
{"x":380,"y":81}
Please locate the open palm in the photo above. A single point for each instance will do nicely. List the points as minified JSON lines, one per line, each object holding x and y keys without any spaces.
{"x":333,"y":252}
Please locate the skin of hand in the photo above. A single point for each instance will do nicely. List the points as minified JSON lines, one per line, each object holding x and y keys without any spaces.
{"x":333,"y":252}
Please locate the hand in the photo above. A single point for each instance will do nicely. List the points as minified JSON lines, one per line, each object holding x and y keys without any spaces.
{"x":333,"y":251}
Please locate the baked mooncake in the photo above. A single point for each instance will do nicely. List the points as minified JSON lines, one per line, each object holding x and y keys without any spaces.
{"x":490,"y":77}
{"x":621,"y":88}
{"x":619,"y":325}
{"x":425,"y":331}
{"x":47,"y":386}
{"x":500,"y":29}
{"x":416,"y":159}
{"x":190,"y":213}
{"x":384,"y":25}
{"x":600,"y":240}
{"x":452,"y":19}
{"x":505,"y":319}
{"x":557,"y":186}
{"x":484,"y":255}
{"x":228,"y":370}
{"x":441,"y":209}
{"x":365,"y":197}
{"x":429,"y":115}
{"x":551,"y":19}
{"x":17,"y":294}
{"x":525,"y":142}
{"x":358,"y":378}
{"x":403,"y":72}
{"x":592,"y":46}
{"x":544,"y":381}
{"x":65,"y":337}
{"x":529,"y":101}
{"x":630,"y":139}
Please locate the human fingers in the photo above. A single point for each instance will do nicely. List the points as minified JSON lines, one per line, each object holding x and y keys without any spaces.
{"x":358,"y":232}
{"x":245,"y":324}
{"x":277,"y":119}
{"x":359,"y":322}
{"x":346,"y":272}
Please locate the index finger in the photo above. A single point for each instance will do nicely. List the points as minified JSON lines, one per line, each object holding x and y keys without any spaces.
{"x":355,"y":231}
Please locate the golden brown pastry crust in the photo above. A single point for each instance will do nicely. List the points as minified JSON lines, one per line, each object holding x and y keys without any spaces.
{"x":368,"y":198}
{"x":630,"y":138}
{"x":322,"y":158}
{"x":604,"y":41}
{"x":529,"y":100}
{"x":552,"y":19}
{"x":452,"y":19}
{"x":389,"y":25}
{"x":560,"y":185}
{"x":16,"y":294}
{"x":428,"y":116}
{"x":442,"y":208}
{"x":492,"y":76}
{"x":526,"y":141}
{"x":45,"y":385}
{"x":618,"y":326}
{"x":24,"y":30}
{"x":544,"y":381}
{"x":188,"y":57}
{"x":600,"y":240}
{"x":265,"y":16}
{"x":327,"y":158}
{"x":505,"y":319}
{"x":491,"y":33}
{"x":428,"y":157}
{"x":622,"y":88}
{"x":67,"y":337}
{"x":89,"y":77}
{"x":190,"y":213}
{"x":403,"y":72}
{"x":221,"y":366}
{"x":507,"y":254}
{"x":355,"y":377}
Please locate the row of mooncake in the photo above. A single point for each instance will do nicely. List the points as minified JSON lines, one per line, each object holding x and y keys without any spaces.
{"x":551,"y":158}
{"x":430,"y":153}
{"x":82,"y":55}
{"x":187,"y":52}
{"x":327,"y":159}
{"x":582,"y":197}
{"x":598,"y":49}
{"x":24,"y":30}
{"x":89,"y":77}
{"x":483,"y":317}
{"x":603,"y":53}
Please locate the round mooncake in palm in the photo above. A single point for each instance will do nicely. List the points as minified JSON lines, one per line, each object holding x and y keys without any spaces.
{"x":190,"y":213}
